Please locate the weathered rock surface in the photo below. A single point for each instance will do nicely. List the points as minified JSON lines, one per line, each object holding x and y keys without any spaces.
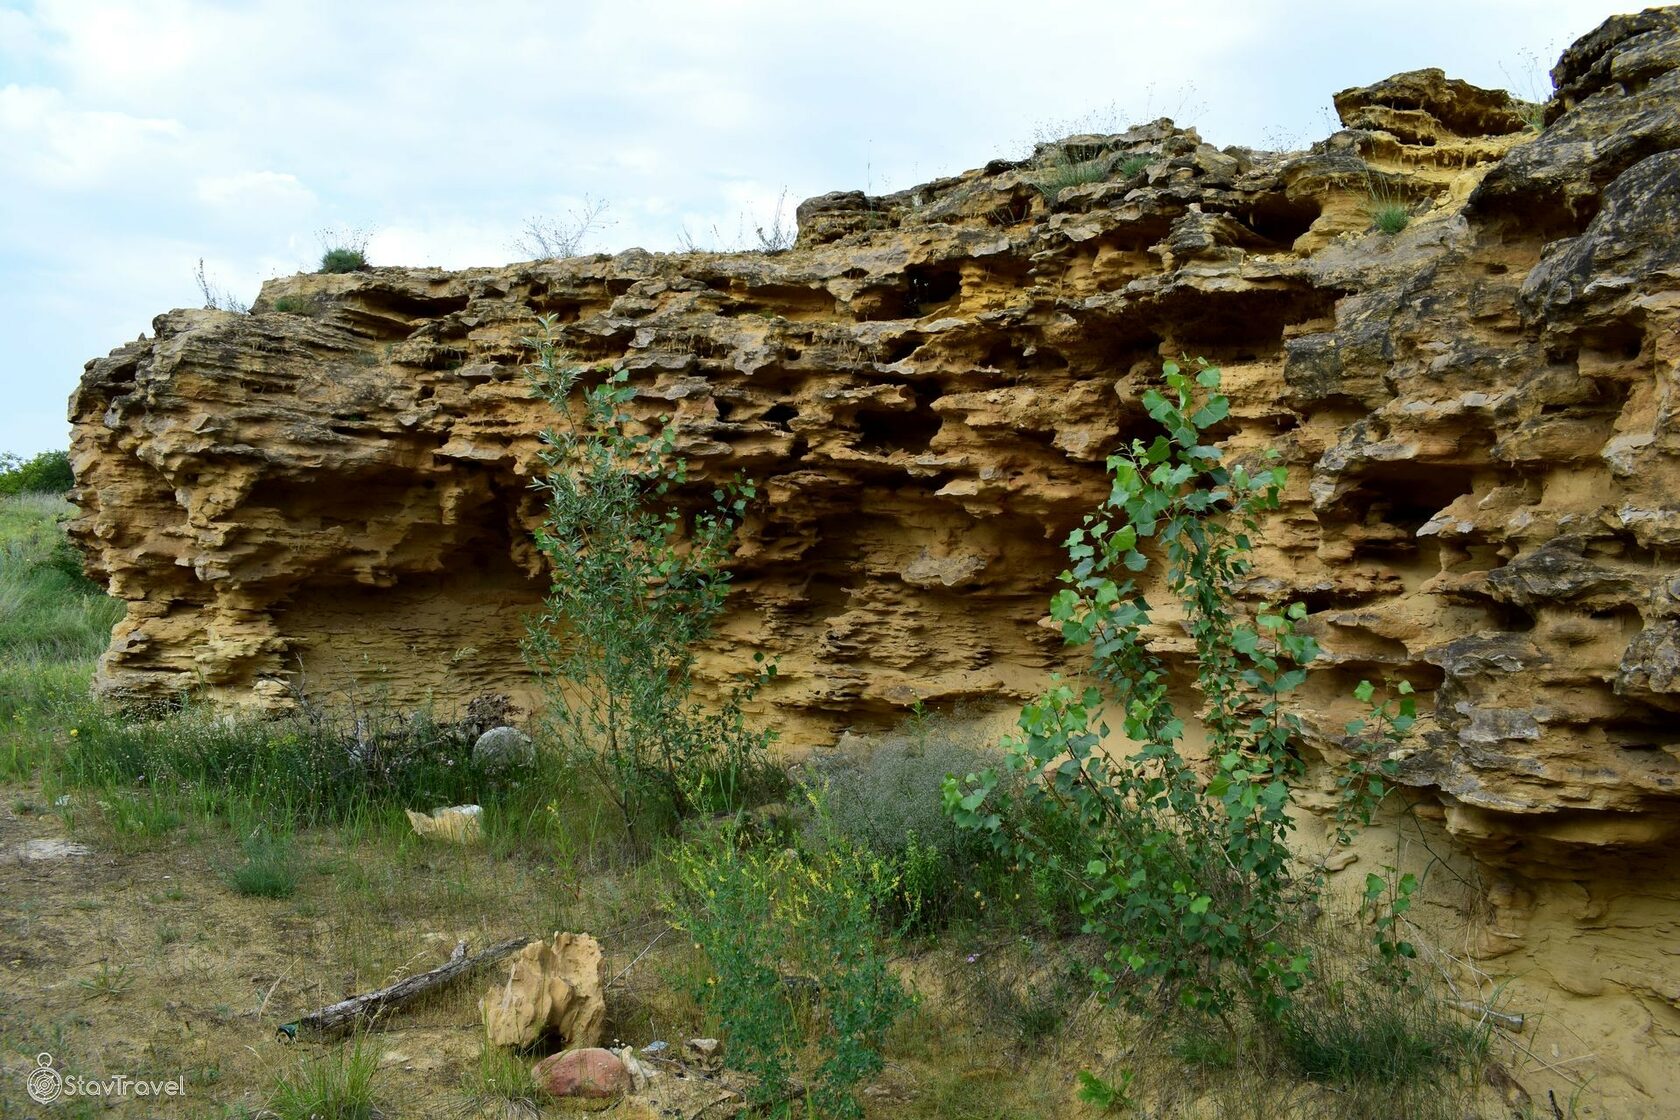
{"x":1478,"y":414}
{"x":503,"y":748}
{"x":554,"y":986}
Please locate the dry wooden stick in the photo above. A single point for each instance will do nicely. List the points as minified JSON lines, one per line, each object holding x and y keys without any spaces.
{"x":341,"y":1016}
{"x":1503,"y":1018}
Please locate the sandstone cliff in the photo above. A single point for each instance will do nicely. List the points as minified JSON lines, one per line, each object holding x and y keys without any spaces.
{"x":1478,"y":414}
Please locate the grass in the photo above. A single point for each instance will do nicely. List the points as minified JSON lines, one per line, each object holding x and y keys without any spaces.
{"x":335,"y":1086}
{"x":141,"y":814}
{"x":107,"y":982}
{"x":1389,"y":209}
{"x":343,"y":260}
{"x":1066,"y":168}
{"x":343,"y":249}
{"x":270,"y":869}
{"x":1364,"y":1031}
{"x":502,"y":1076}
{"x":312,"y":767}
{"x":1390,"y":218}
{"x":50,"y":614}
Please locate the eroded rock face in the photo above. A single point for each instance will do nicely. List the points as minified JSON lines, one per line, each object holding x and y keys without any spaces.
{"x":1478,"y":415}
{"x":552,"y":987}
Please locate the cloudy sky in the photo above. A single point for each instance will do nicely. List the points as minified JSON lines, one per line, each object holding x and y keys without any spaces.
{"x":137,"y":138}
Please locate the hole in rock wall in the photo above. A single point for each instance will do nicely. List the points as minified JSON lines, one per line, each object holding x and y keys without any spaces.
{"x":1249,"y":322}
{"x":1280,"y":220}
{"x":1642,"y":727}
{"x":1509,"y":617}
{"x":1405,"y":497}
{"x":563,"y":310}
{"x":411,"y":305}
{"x":882,"y":433}
{"x":928,"y":286}
{"x":917,"y":292}
{"x":901,"y":349}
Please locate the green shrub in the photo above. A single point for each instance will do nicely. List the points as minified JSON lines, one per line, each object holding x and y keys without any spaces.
{"x":343,"y":259}
{"x":886,"y":802}
{"x":1189,"y":882}
{"x":298,"y":305}
{"x":46,"y":473}
{"x":637,"y":586}
{"x":798,"y":978}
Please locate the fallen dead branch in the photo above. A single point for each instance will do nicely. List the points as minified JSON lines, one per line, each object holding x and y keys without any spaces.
{"x":338,"y":1017}
{"x":1501,"y":1018}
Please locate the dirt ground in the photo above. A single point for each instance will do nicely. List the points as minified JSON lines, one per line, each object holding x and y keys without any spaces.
{"x":128,"y":953}
{"x":133,"y":956}
{"x":145,"y":963}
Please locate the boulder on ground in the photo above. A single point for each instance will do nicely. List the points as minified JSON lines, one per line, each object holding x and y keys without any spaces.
{"x":504,"y":748}
{"x":460,"y":824}
{"x":590,"y":1073}
{"x":556,"y":986}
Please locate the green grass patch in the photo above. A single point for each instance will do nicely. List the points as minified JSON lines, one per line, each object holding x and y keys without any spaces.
{"x":1390,"y":218}
{"x":502,"y":1076}
{"x":1376,"y":1034}
{"x":343,"y":260}
{"x":300,"y":770}
{"x":50,"y":613}
{"x":336,"y":1086}
{"x":271,"y":868}
{"x":1070,"y":167}
{"x":1132,"y":165}
{"x":1388,"y":205}
{"x":141,"y":814}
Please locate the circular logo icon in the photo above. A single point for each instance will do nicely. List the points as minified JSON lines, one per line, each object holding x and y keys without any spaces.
{"x":45,"y":1083}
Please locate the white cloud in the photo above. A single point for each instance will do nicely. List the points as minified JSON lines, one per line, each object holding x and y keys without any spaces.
{"x":53,"y":143}
{"x":20,"y":37}
{"x":442,"y":243}
{"x":250,"y":189}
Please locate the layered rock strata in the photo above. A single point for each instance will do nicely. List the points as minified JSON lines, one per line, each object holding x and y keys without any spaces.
{"x":1478,"y":414}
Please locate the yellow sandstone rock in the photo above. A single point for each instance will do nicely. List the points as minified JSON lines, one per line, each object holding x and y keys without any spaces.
{"x":1479,"y":415}
{"x":552,"y":986}
{"x":459,"y":824}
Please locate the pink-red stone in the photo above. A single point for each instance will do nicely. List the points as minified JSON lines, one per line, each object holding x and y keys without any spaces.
{"x":591,"y":1072}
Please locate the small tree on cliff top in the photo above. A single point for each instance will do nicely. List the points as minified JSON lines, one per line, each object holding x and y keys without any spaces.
{"x":637,"y":586}
{"x":1186,"y":875}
